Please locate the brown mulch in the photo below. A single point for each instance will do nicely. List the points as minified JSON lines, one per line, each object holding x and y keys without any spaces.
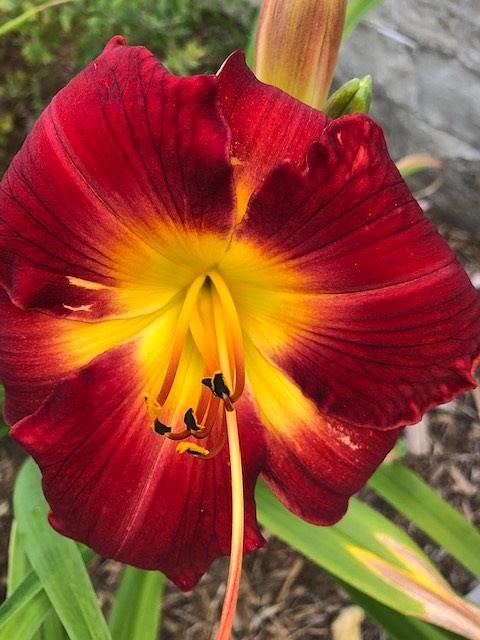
{"x":283,"y":595}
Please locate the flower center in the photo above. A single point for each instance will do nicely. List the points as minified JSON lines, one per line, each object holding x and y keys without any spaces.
{"x":210,"y":316}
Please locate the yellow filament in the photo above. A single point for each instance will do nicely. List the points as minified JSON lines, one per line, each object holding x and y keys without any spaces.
{"x":236,"y":548}
{"x":204,"y":342}
{"x":181,"y":331}
{"x":235,"y":340}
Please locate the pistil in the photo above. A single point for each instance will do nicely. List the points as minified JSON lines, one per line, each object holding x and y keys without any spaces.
{"x":211,"y":318}
{"x":236,"y":547}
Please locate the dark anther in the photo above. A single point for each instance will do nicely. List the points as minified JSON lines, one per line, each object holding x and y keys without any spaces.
{"x":160,"y":428}
{"x":190,"y":421}
{"x":208,"y":383}
{"x":220,"y":389}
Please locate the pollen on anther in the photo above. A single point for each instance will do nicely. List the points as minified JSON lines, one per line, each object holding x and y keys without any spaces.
{"x":192,"y":449}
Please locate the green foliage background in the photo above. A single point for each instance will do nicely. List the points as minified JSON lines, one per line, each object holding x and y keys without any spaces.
{"x":189,"y":36}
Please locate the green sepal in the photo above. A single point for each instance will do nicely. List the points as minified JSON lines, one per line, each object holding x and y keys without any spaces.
{"x":355,"y":96}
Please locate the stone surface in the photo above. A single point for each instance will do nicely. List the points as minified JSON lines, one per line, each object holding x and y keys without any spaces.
{"x":424,"y":56}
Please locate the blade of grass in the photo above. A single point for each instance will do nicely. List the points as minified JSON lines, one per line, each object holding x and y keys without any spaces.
{"x":413,"y":498}
{"x":17,"y":22}
{"x":137,"y":606}
{"x":57,"y":561}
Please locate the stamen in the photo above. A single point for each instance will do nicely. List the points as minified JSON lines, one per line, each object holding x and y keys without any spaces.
{"x":183,"y":324}
{"x":229,"y":312}
{"x":219,"y":389}
{"x":213,"y":414}
{"x":236,"y":549}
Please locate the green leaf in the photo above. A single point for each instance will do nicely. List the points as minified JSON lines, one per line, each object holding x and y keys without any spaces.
{"x":23,"y":624}
{"x":418,"y":502}
{"x":22,"y":614}
{"x":368,"y":552}
{"x":137,"y":606}
{"x":251,"y":44}
{"x":328,"y":547}
{"x":18,"y":564}
{"x":57,"y":561}
{"x":17,"y":22}
{"x":356,"y":11}
{"x":3,"y":427}
{"x":52,"y":629}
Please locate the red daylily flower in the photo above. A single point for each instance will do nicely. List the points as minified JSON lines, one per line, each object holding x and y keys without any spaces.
{"x":159,"y":231}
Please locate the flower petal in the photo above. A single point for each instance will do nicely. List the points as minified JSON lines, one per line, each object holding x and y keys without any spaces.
{"x":38,"y":350}
{"x":29,"y":373}
{"x":386,"y":323}
{"x":114,"y":484}
{"x":124,"y":166}
{"x":314,"y":463}
{"x":267,"y":126}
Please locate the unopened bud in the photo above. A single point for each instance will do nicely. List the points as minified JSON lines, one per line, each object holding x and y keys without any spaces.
{"x":354,"y":96}
{"x":297,"y":46}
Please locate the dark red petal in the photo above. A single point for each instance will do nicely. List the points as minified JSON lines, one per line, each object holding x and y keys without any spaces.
{"x":267,"y":125}
{"x":115,"y":485}
{"x":315,"y":466}
{"x":394,"y":323}
{"x":123,"y":155}
{"x":33,"y":358}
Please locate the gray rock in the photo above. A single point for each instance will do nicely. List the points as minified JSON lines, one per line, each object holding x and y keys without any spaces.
{"x":424,"y":56}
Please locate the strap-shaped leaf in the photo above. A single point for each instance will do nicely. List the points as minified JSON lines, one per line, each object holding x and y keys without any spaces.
{"x":22,"y":614}
{"x":374,"y":558}
{"x":57,"y":562}
{"x":412,"y":497}
{"x":137,"y":606}
{"x":21,"y":624}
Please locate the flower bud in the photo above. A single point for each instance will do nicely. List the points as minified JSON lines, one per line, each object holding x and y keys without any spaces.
{"x":297,"y":46}
{"x":354,"y":96}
